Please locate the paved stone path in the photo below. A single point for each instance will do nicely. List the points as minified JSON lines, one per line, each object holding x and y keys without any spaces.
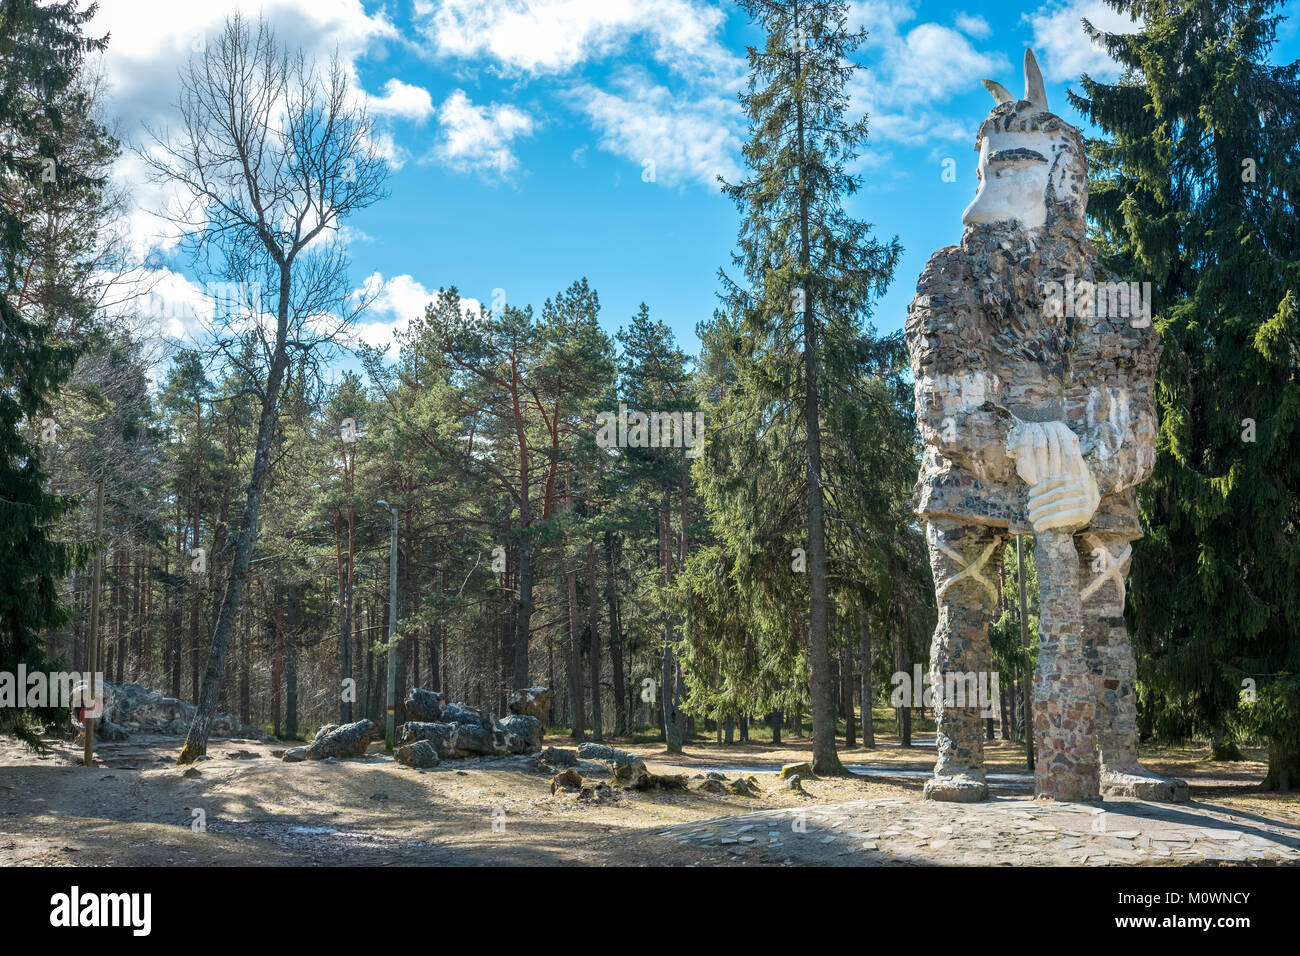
{"x":1003,"y":830}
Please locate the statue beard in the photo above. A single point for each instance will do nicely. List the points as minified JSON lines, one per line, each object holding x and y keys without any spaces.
{"x":1012,"y":268}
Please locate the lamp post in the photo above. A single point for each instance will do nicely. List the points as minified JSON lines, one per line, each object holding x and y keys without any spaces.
{"x":392,"y":631}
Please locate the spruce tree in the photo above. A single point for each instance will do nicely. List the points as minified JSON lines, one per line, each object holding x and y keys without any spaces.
{"x":42,"y":49}
{"x":809,"y":270}
{"x":1195,"y":190}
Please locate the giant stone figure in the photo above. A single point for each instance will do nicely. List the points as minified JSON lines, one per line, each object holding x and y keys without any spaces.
{"x":1033,"y":374}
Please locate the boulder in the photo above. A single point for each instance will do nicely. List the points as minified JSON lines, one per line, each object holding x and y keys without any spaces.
{"x":421,"y":754}
{"x":709,"y":785}
{"x":610,"y":755}
{"x":507,"y":743}
{"x":630,"y":775}
{"x":472,"y":740}
{"x":328,"y":728}
{"x":108,"y":732}
{"x":350,"y":740}
{"x":566,"y":780}
{"x":439,"y":734}
{"x":137,"y":709}
{"x":558,"y":757}
{"x":635,"y":776}
{"x":464,"y":714}
{"x":794,"y":782}
{"x":802,"y":769}
{"x":527,"y":728}
{"x":424,"y":705}
{"x":295,"y":755}
{"x":531,"y":702}
{"x":745,"y":787}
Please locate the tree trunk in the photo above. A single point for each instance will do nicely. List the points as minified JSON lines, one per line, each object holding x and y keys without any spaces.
{"x":196,"y":743}
{"x":864,"y":662}
{"x":672,"y":718}
{"x":846,"y":697}
{"x":615,"y":640}
{"x":825,"y":759}
{"x":593,"y":623}
{"x":1283,"y":764}
{"x":576,"y":693}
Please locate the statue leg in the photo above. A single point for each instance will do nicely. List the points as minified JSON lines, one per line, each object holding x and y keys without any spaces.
{"x":1065,"y":696}
{"x":962,"y":557}
{"x":1104,"y":563}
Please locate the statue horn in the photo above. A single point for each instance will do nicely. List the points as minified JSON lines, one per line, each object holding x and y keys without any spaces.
{"x":1034,"y":91}
{"x":999,"y":92}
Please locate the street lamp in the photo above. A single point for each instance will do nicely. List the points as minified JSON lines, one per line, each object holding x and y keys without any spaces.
{"x":392,"y":631}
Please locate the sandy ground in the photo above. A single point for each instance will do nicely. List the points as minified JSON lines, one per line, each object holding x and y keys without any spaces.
{"x":244,"y":806}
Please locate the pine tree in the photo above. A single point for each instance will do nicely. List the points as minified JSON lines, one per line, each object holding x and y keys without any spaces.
{"x":1195,"y":190}
{"x":808,"y":273}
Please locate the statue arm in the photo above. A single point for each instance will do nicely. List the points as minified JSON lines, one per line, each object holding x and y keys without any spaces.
{"x":954,"y":389}
{"x":1120,"y":438}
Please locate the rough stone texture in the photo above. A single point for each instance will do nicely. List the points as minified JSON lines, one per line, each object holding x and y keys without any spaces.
{"x":1065,"y":699}
{"x":454,"y":713}
{"x":350,"y":740}
{"x":568,"y":779}
{"x":1010,"y":831}
{"x":610,"y":755}
{"x":472,"y":740}
{"x":439,"y":734}
{"x":136,"y":709}
{"x":424,"y":705}
{"x":796,"y":769}
{"x":960,"y":645}
{"x":528,"y":729}
{"x":294,"y":755}
{"x":559,"y":757}
{"x":532,"y":702}
{"x":1037,"y":418}
{"x":421,"y":754}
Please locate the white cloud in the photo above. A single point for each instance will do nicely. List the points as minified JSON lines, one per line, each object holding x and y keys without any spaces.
{"x":912,"y":70}
{"x":151,"y":40}
{"x":554,"y":36}
{"x":404,"y":101}
{"x":395,"y":302}
{"x":687,"y":137}
{"x":975,"y":26}
{"x":1064,"y":51}
{"x":480,"y":138}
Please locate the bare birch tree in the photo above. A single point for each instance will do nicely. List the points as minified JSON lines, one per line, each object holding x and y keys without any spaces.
{"x":272,"y":155}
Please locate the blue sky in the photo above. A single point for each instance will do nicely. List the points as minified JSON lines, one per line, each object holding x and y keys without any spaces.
{"x":522,"y":133}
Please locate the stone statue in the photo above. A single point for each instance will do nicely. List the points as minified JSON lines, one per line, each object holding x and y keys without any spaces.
{"x":1033,"y":374}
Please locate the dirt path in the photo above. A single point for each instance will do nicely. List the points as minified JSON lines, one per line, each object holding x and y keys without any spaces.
{"x":244,"y":806}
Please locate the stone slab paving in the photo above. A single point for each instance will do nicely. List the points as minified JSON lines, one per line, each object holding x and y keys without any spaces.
{"x":1003,"y":830}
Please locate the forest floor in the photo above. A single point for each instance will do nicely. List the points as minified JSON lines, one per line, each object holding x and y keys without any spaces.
{"x":136,"y":807}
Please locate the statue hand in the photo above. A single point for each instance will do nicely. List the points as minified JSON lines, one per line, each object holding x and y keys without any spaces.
{"x":1062,"y":490}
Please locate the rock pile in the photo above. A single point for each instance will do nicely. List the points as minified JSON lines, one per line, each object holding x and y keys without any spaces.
{"x":349,"y":740}
{"x":628,"y":772}
{"x":454,"y":731}
{"x":131,"y":708}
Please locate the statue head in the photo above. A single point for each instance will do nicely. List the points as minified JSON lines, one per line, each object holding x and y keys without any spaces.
{"x":1031,"y":166}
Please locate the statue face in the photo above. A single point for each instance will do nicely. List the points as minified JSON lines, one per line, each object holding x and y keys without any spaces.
{"x":1013,"y":174}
